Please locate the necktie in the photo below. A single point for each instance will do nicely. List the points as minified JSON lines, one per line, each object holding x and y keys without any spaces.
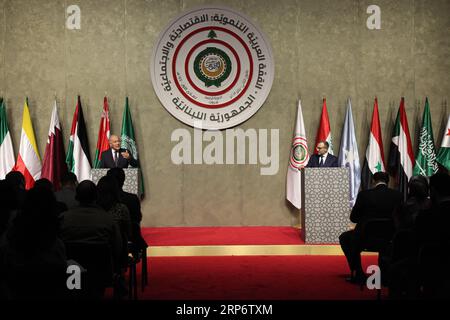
{"x":116,"y":157}
{"x":321,"y":161}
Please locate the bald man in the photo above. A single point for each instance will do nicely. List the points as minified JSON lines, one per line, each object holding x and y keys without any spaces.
{"x":116,"y":157}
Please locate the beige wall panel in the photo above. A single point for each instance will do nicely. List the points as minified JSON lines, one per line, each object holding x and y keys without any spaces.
{"x":320,"y":48}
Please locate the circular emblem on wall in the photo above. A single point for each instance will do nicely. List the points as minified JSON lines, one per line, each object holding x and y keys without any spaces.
{"x":212,"y":68}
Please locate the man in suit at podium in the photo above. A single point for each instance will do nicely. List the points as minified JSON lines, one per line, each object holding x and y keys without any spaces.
{"x":322,"y":159}
{"x":116,"y":157}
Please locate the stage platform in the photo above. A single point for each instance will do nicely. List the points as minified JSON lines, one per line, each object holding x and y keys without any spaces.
{"x":231,"y":241}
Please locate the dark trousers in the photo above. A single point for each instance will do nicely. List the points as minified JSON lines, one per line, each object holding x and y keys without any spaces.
{"x":350,"y":244}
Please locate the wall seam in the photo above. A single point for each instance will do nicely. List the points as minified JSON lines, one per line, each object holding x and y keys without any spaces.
{"x":4,"y":53}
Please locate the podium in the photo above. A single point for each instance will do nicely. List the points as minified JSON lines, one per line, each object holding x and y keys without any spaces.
{"x":325,"y":204}
{"x":132,"y":179}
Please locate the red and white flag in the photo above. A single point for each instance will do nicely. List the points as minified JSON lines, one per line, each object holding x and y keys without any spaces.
{"x":54,"y":164}
{"x":324,"y":131}
{"x":103,"y":134}
{"x":374,"y":161}
{"x":28,"y":161}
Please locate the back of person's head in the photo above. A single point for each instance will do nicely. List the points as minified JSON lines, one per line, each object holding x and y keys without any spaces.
{"x":44,"y":183}
{"x":380,"y":177}
{"x":86,"y":192}
{"x":16,"y":179}
{"x":37,"y":224}
{"x":418,"y":187}
{"x":108,"y":192}
{"x":8,"y":202}
{"x":119,"y":174}
{"x":439,"y":186}
{"x":69,"y":179}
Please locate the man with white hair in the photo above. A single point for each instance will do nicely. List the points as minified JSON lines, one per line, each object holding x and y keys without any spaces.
{"x":116,"y":157}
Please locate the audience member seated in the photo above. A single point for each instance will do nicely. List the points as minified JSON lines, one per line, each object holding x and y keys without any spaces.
{"x":17,"y":181}
{"x":47,"y":184}
{"x":134,"y":206}
{"x":90,"y":224}
{"x":32,"y":257}
{"x":108,"y":190}
{"x":421,"y":272}
{"x":417,"y":201}
{"x":67,"y":193}
{"x":8,"y":205}
{"x":375,"y":203}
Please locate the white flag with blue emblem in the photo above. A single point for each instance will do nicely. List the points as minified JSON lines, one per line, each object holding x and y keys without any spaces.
{"x":298,"y":159}
{"x":348,"y":154}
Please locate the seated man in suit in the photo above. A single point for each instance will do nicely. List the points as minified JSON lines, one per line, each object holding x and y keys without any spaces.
{"x":323,"y":158}
{"x":376,"y":203}
{"x":116,"y":157}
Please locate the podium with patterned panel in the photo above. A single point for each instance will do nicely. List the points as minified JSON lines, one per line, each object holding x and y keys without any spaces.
{"x":325,"y":204}
{"x":132,"y":179}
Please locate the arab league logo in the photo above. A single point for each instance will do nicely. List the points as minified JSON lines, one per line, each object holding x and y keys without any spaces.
{"x":299,"y":153}
{"x":212,"y":68}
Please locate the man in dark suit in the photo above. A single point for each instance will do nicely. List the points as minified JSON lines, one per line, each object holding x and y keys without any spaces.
{"x":322,"y":158}
{"x":379,"y":202}
{"x":131,"y":201}
{"x":116,"y":157}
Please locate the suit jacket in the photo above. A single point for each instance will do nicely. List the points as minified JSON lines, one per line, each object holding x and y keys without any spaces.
{"x":134,"y":207}
{"x":331,"y":161}
{"x":379,"y":202}
{"x":107,"y":160}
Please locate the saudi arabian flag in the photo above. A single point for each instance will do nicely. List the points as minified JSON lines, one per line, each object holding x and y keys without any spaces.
{"x":443,"y":156}
{"x":129,"y":141}
{"x":426,"y":155}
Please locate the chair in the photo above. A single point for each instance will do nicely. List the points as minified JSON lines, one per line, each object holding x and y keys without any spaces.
{"x":376,"y":236}
{"x":97,"y":259}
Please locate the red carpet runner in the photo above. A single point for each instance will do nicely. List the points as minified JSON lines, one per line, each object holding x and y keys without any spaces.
{"x":245,"y":277}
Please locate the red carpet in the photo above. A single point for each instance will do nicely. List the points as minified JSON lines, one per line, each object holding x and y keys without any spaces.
{"x":196,"y":236}
{"x":253,"y":278}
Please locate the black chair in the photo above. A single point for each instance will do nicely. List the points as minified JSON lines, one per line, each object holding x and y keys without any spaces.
{"x":376,"y":236}
{"x":97,"y":259}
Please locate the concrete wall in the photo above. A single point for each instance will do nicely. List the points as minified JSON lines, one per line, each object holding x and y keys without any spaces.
{"x":321,"y":48}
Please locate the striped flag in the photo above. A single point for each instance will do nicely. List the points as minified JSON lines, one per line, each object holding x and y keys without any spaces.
{"x":103,"y":134}
{"x":374,"y":161}
{"x":298,"y":159}
{"x":28,"y":160}
{"x":53,"y":166}
{"x":78,"y":158}
{"x":324,"y":131}
{"x":401,"y":156}
{"x":6,"y":147}
{"x":348,"y":154}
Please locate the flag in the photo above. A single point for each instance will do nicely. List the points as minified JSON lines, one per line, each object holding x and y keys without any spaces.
{"x":28,"y":160}
{"x":103,"y":134}
{"x":6,"y":147}
{"x":324,"y":131}
{"x":426,"y":164}
{"x":78,"y":158}
{"x":129,"y":140}
{"x":298,"y":159}
{"x":401,"y":156}
{"x":443,"y":156}
{"x":53,"y":166}
{"x":348,"y":154}
{"x":374,"y":161}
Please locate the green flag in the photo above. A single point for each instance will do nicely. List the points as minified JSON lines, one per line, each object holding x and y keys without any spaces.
{"x":426,"y":164}
{"x":443,"y":156}
{"x":129,"y":140}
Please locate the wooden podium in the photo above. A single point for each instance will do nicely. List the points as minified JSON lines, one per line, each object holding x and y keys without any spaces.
{"x":132,"y":179}
{"x":325,"y":204}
